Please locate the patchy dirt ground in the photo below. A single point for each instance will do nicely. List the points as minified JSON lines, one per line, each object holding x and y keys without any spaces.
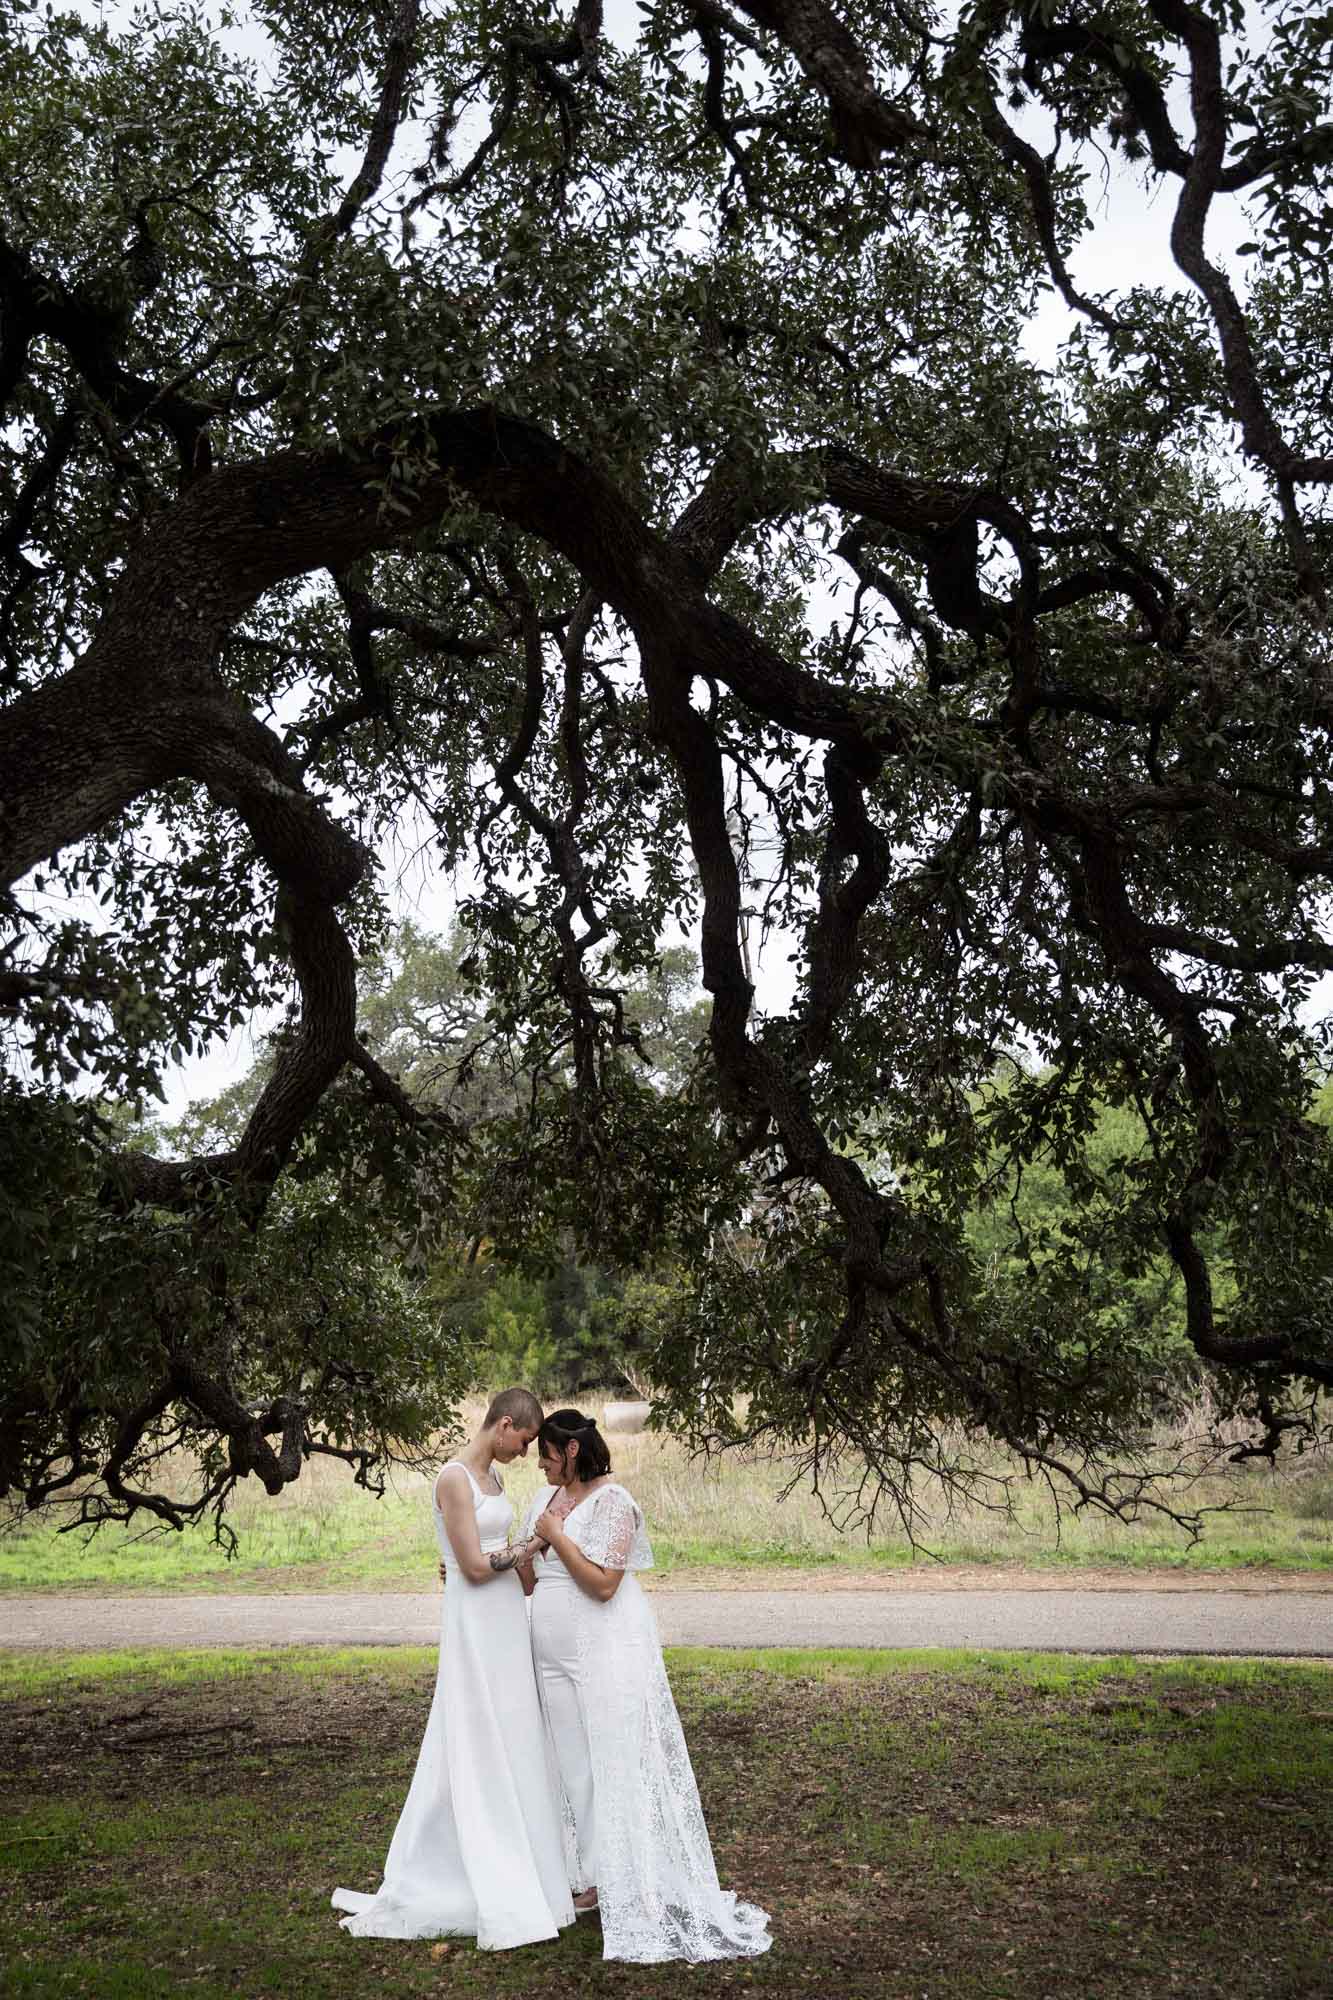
{"x":1056,"y":1829}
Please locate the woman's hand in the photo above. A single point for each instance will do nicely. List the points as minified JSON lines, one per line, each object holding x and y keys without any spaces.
{"x":516,"y":1554}
{"x":548,"y":1529}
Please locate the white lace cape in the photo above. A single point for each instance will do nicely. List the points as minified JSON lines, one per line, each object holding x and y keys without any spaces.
{"x":657,"y":1885}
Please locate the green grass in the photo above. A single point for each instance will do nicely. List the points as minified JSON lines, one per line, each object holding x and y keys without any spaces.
{"x":960,"y":1825}
{"x":323,"y":1533}
{"x":326,"y":1534}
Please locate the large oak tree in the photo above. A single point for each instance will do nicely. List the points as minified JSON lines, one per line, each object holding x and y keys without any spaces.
{"x":631,"y":460}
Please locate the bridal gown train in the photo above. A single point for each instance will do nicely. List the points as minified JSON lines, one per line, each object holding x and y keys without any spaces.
{"x":479,"y":1848}
{"x":625,"y":1769}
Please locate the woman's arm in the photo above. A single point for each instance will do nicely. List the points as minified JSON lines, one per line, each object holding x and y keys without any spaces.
{"x":590,"y":1576}
{"x":454,"y":1498}
{"x":517,"y":1556}
{"x":531,"y":1545}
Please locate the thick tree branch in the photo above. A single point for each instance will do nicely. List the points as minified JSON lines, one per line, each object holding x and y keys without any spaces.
{"x":1227,"y":1350}
{"x":1033,"y":168}
{"x":865,"y":124}
{"x":91,"y":329}
{"x":388,"y":114}
{"x":1261,"y":435}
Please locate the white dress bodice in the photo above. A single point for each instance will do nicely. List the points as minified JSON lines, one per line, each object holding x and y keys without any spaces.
{"x":547,"y":1567}
{"x":607,"y":1525}
{"x":494,"y":1512}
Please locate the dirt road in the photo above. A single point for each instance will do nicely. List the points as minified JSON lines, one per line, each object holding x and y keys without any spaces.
{"x":1285,"y":1621}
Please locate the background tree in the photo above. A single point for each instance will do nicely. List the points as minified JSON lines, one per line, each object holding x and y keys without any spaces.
{"x":504,"y":479}
{"x":549,"y":1319}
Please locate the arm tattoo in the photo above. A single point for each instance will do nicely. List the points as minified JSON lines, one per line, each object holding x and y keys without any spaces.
{"x":516,"y":1553}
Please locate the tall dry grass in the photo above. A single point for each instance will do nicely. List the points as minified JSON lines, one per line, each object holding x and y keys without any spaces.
{"x":325,"y":1533}
{"x":736,"y":1508}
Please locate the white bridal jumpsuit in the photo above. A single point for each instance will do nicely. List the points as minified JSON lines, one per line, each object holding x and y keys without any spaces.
{"x":623,"y":1763}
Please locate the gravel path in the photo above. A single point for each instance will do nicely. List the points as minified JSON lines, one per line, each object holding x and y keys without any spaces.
{"x":1286,"y":1623}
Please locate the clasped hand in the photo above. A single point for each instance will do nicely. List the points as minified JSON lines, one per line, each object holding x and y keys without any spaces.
{"x":538,"y":1534}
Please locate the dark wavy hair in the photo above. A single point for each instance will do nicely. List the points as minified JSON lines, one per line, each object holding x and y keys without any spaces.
{"x":565,"y":1427}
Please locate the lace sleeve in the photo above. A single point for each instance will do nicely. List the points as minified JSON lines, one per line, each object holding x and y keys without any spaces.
{"x":614,"y":1536}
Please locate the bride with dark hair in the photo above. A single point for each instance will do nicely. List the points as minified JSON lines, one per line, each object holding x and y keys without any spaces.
{"x":644,"y":1859}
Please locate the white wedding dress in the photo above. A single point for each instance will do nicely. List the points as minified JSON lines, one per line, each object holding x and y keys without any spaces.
{"x":479,"y":1849}
{"x":629,"y":1786}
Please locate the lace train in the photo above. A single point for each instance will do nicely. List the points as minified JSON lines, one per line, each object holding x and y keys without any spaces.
{"x":656,"y":1879}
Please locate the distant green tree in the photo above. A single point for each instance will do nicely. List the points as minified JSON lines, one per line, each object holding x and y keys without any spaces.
{"x":517,"y":1343}
{"x":556,"y":1323}
{"x":1043,"y":1227}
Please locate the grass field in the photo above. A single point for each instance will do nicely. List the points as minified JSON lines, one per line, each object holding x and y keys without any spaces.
{"x":325,"y":1534}
{"x":947,"y":1826}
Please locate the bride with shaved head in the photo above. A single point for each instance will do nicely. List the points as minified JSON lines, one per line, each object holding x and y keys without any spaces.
{"x":479,"y":1849}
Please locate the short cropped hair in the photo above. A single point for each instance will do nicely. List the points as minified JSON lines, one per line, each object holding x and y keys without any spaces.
{"x":565,"y":1427}
{"x":519,"y":1405}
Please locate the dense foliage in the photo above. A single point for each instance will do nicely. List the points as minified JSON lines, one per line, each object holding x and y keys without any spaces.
{"x":631,"y":450}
